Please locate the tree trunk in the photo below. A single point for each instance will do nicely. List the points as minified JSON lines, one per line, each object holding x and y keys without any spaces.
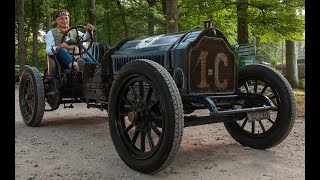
{"x":92,"y":17}
{"x":151,"y":22}
{"x":21,"y":37}
{"x":34,"y":35}
{"x":242,"y":14}
{"x":48,"y":27}
{"x":164,"y":6}
{"x":123,"y":17}
{"x":35,"y":50}
{"x":291,"y":64}
{"x":108,"y":24}
{"x":172,"y":16}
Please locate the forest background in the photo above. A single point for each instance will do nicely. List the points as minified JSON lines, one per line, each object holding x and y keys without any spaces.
{"x":275,"y":27}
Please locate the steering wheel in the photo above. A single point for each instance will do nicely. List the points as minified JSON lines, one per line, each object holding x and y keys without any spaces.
{"x":78,"y":41}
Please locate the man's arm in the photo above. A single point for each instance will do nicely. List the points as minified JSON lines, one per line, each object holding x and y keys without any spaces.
{"x":50,"y":43}
{"x":85,"y":36}
{"x":88,"y":28}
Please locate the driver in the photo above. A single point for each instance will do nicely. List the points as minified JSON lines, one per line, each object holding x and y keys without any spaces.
{"x":54,"y":36}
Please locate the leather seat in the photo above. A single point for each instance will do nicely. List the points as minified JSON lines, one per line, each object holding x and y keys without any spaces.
{"x":97,"y":51}
{"x":53,"y":67}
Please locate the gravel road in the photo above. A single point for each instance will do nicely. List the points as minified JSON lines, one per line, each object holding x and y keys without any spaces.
{"x":76,"y":144}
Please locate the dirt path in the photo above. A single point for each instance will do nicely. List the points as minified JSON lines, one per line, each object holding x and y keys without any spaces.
{"x":75,"y":144}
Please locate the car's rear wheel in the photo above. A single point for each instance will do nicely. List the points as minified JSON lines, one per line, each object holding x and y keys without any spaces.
{"x":145,"y":116}
{"x":31,"y":96}
{"x":265,"y":133}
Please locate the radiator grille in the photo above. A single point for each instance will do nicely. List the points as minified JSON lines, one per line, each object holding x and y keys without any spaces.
{"x":120,"y":61}
{"x":211,"y":67}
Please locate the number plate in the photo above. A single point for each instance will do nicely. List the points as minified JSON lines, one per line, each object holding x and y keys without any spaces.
{"x":258,"y":115}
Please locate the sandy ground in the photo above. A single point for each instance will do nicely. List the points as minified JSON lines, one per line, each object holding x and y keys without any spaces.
{"x":76,"y":144}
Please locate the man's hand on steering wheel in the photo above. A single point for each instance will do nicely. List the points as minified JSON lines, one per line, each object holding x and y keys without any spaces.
{"x":89,"y":27}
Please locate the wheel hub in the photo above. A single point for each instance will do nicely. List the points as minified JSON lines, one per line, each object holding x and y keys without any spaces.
{"x":132,"y":116}
{"x":140,"y":118}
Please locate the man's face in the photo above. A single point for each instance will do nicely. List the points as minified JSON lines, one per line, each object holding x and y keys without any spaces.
{"x":63,"y":21}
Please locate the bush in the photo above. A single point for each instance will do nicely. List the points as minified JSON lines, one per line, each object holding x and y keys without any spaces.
{"x":301,"y":84}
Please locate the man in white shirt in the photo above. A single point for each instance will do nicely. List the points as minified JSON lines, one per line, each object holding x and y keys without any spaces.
{"x":54,"y":36}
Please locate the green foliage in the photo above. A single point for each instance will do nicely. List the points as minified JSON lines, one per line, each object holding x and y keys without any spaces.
{"x":193,"y":13}
{"x":270,"y":21}
{"x":110,"y":27}
{"x":271,"y":52}
{"x":302,"y":83}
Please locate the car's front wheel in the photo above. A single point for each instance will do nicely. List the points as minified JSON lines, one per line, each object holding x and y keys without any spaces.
{"x":145,"y":116}
{"x":31,"y":96}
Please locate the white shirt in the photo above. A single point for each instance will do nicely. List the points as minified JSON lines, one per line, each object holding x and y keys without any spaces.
{"x":50,"y":41}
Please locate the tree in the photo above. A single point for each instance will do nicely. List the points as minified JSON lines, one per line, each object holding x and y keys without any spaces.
{"x":92,"y":16}
{"x":270,"y":21}
{"x":151,"y":20}
{"x":48,"y":16}
{"x":172,"y":16}
{"x":291,"y":59}
{"x":21,"y":39}
{"x":123,"y":18}
{"x":291,"y":64}
{"x":34,"y":20}
{"x":242,"y":17}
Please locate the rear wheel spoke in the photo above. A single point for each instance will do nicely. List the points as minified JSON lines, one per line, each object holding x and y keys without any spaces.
{"x":264,"y":89}
{"x":255,"y":88}
{"x":247,"y":87}
{"x":272,"y":97}
{"x":253,"y":127}
{"x":270,"y":120}
{"x":262,"y":127}
{"x":244,"y":123}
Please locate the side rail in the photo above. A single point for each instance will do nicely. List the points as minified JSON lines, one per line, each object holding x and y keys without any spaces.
{"x":246,"y":54}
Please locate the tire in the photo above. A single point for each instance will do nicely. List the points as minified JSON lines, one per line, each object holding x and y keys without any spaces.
{"x":270,"y":132}
{"x":144,"y":101}
{"x":31,"y":96}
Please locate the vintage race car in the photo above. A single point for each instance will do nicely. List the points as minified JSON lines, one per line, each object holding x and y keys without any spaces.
{"x":151,"y":86}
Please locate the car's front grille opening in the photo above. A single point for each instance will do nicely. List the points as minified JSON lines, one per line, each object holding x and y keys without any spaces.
{"x":118,"y":62}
